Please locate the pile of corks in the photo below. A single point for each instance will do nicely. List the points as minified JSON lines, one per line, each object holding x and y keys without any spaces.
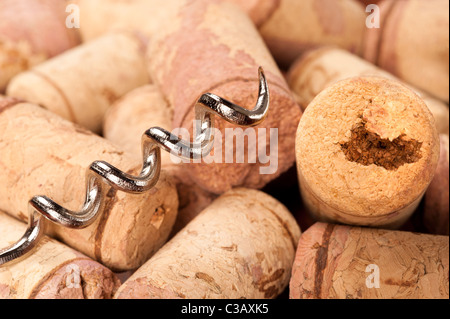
{"x":357,"y":206}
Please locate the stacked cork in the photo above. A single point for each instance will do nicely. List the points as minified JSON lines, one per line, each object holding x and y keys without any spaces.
{"x":20,"y":23}
{"x":341,"y":191}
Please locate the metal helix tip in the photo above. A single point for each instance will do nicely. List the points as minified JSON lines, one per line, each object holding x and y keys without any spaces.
{"x":101,"y":175}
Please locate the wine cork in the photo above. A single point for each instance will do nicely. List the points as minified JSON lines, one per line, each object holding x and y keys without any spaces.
{"x":241,"y":246}
{"x":212,"y":46}
{"x":82,"y":83}
{"x":20,"y":23}
{"x":125,"y":123}
{"x":51,"y":271}
{"x":367,"y":149}
{"x":436,"y":205}
{"x":43,"y":154}
{"x":412,"y":43}
{"x":319,"y":68}
{"x":258,"y":11}
{"x":369,"y":2}
{"x":99,"y":17}
{"x":343,"y":262}
{"x":290,"y":27}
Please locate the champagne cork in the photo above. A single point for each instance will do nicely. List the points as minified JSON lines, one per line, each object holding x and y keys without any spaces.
{"x":343,"y":262}
{"x":436,"y":205}
{"x":52,"y":271}
{"x":319,"y":68}
{"x":212,"y":46}
{"x":412,"y":43}
{"x":124,"y":124}
{"x":82,"y":83}
{"x":99,"y":17}
{"x":43,"y":154}
{"x":20,"y":23}
{"x":367,"y":149}
{"x":241,"y":246}
{"x":290,"y":27}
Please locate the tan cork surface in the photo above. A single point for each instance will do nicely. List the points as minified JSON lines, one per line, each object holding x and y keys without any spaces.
{"x":43,"y":154}
{"x":242,"y":245}
{"x":20,"y":49}
{"x":436,"y":204}
{"x":340,"y":189}
{"x":99,"y":17}
{"x":413,"y":43}
{"x":82,"y":83}
{"x":46,"y":272}
{"x":296,"y":26}
{"x":320,"y":68}
{"x":332,"y":260}
{"x":210,"y":46}
{"x":125,"y":123}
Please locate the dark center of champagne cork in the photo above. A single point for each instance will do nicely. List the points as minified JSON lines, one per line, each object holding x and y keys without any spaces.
{"x":368,"y":148}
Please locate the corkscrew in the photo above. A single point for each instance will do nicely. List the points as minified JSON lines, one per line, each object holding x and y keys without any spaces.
{"x":101,"y":175}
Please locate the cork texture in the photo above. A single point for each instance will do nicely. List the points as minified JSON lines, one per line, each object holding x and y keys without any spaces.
{"x":125,"y":123}
{"x":7,"y":102}
{"x":413,"y":43}
{"x":212,"y":46}
{"x":332,"y":263}
{"x":436,"y":204}
{"x":337,"y":188}
{"x":82,"y":83}
{"x":42,"y":154}
{"x":258,"y":11}
{"x":129,"y":117}
{"x":241,"y":245}
{"x":20,"y":49}
{"x":296,"y":26}
{"x":51,"y":271}
{"x":319,"y":68}
{"x":373,"y":38}
{"x":99,"y":17}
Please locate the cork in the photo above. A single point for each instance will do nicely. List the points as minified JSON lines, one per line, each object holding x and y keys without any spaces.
{"x":82,"y":83}
{"x":344,"y":262}
{"x":43,"y":154}
{"x":436,"y":205}
{"x":367,"y":149}
{"x":369,"y":2}
{"x":412,"y":43}
{"x":100,"y":17}
{"x":319,"y":68}
{"x":212,"y":46}
{"x":258,"y":11}
{"x":20,"y":22}
{"x":290,"y":27}
{"x":7,"y":102}
{"x":125,"y":123}
{"x":51,"y":271}
{"x":241,"y":246}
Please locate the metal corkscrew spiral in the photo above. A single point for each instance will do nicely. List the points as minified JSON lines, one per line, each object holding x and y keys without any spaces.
{"x":101,"y":175}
